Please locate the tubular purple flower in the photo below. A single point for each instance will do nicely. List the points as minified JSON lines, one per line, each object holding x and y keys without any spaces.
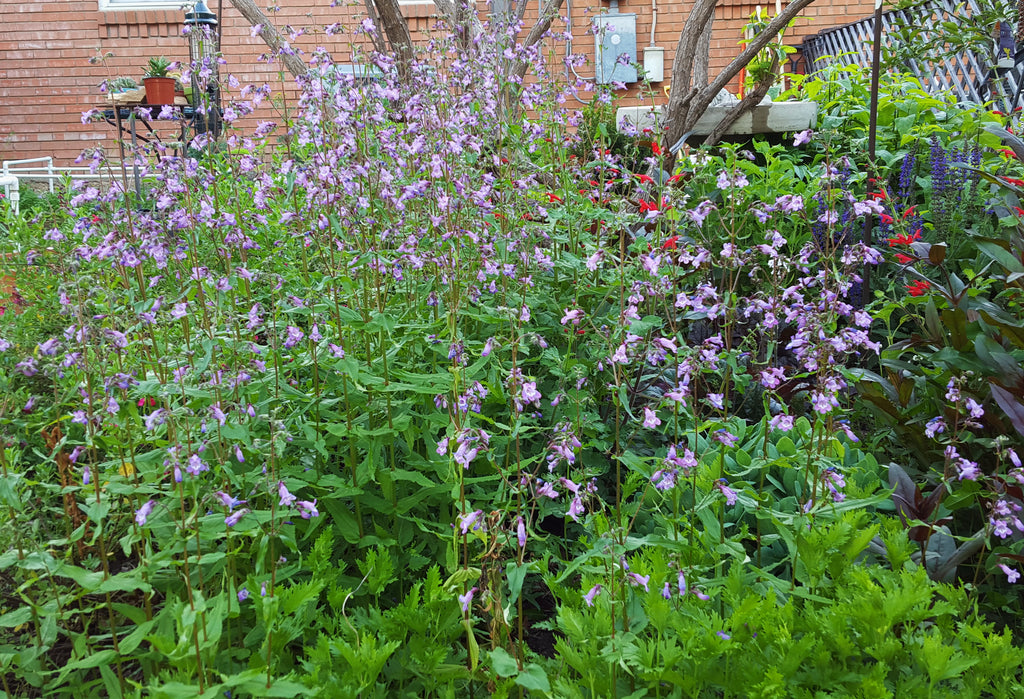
{"x":228,"y":501}
{"x":287,"y":499}
{"x":467,"y":599}
{"x":637,"y":580}
{"x":576,"y":508}
{"x":573,"y":316}
{"x":725,"y":437}
{"x":729,"y":493}
{"x":521,"y":532}
{"x":307,"y":509}
{"x":592,"y":595}
{"x":233,"y":519}
{"x":546,"y":490}
{"x":142,"y":514}
{"x":243,"y":595}
{"x":469,"y":521}
{"x":196,"y":465}
{"x":650,"y":418}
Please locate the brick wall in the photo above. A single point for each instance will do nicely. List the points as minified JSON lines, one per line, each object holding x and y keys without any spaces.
{"x":47,"y":81}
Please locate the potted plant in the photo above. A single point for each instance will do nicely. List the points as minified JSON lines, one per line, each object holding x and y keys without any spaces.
{"x":121,"y":84}
{"x":159,"y":85}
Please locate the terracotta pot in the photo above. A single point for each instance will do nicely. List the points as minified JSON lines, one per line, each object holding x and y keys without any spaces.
{"x":159,"y":90}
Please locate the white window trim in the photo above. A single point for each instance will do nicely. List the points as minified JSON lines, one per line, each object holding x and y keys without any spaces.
{"x":140,"y":5}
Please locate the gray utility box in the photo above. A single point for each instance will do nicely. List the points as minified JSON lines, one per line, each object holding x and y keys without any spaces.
{"x":615,"y":37}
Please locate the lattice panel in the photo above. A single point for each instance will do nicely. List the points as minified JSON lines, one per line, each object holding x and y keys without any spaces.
{"x":972,"y":78}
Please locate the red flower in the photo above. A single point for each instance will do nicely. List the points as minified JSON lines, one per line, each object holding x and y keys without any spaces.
{"x":1020,"y":211}
{"x":886,"y":219}
{"x":1014,"y":181}
{"x":645,"y":179}
{"x":909,"y":212}
{"x":646,"y":206}
{"x":675,"y":178}
{"x":904,"y":239}
{"x":552,"y":198}
{"x":655,"y":148}
{"x":670,"y":244}
{"x":878,"y":196}
{"x":1008,"y":153}
{"x":918,"y":288}
{"x":900,"y":257}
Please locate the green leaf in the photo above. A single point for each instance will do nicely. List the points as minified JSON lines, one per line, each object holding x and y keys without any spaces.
{"x":516,"y":575}
{"x":503,"y":664}
{"x":533,"y":678}
{"x":16,"y":618}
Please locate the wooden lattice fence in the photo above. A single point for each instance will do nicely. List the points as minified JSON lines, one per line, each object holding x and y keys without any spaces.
{"x":969,"y":75}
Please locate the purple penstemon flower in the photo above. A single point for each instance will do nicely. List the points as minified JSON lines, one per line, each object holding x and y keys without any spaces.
{"x":521,"y":532}
{"x":293,"y":336}
{"x":307,"y":509}
{"x":650,"y":419}
{"x":726,"y":437}
{"x":233,"y":519}
{"x":196,"y":465}
{"x":573,"y":316}
{"x":576,"y":508}
{"x":142,"y":514}
{"x":243,"y":594}
{"x":286,"y":498}
{"x":546,"y":490}
{"x":1012,"y":575}
{"x":228,"y":501}
{"x":466,"y":600}
{"x":729,"y":493}
{"x":637,"y":580}
{"x":469,"y":521}
{"x":592,"y":595}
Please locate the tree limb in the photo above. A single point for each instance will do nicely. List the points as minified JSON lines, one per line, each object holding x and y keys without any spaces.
{"x":749,"y":101}
{"x":547,"y":16}
{"x":273,"y":38}
{"x":678,"y":122}
{"x":397,"y":31}
{"x":682,"y":70}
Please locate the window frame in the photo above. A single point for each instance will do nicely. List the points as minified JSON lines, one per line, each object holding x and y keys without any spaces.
{"x":140,"y":5}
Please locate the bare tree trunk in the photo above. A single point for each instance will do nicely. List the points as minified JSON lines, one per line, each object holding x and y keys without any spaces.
{"x":683,"y":89}
{"x":749,"y":101}
{"x":686,"y":102}
{"x":375,"y":35}
{"x":547,"y":15}
{"x":247,"y":8}
{"x":397,"y":31}
{"x":458,"y":20}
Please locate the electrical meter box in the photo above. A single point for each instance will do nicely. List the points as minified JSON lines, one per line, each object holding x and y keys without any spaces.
{"x":615,"y":55}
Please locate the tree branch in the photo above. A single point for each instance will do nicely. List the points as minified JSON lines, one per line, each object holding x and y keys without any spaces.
{"x":678,"y":121}
{"x":749,"y":101}
{"x":273,"y":38}
{"x":397,"y":31}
